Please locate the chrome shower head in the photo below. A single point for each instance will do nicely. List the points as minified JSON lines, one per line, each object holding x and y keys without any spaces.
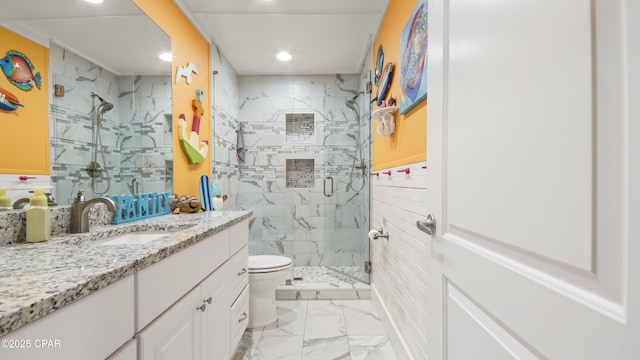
{"x":104,"y":104}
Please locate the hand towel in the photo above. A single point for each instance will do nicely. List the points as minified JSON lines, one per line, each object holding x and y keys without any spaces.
{"x":242,"y":151}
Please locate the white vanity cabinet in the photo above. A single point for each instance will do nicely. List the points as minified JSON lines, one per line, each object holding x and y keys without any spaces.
{"x":203,"y":321}
{"x":127,"y":352}
{"x":93,"y":327}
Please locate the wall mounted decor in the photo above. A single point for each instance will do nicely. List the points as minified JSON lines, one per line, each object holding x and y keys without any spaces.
{"x":8,"y":101}
{"x":19,"y":70}
{"x":194,"y":149}
{"x":413,"y":58}
{"x":379,"y":64}
{"x":186,"y":71}
{"x":386,"y":120}
{"x":385,"y":83}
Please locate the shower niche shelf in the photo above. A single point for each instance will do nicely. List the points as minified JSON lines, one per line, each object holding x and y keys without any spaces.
{"x":300,"y":173}
{"x":300,"y":127}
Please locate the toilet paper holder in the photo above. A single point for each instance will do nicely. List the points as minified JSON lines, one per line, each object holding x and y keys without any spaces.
{"x":381,"y":234}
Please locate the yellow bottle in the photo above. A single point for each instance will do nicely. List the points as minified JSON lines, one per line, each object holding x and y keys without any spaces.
{"x":38,"y":217}
{"x":5,"y":202}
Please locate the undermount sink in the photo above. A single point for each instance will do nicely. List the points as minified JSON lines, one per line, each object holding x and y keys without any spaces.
{"x":135,"y":238}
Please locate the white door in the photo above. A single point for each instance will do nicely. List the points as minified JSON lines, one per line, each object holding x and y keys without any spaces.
{"x":534,"y":179}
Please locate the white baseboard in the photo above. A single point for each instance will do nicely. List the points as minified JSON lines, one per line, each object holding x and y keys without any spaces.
{"x":396,"y":339}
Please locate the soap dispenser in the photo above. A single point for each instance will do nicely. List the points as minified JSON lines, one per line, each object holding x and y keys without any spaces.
{"x":5,"y":202}
{"x":38,"y":217}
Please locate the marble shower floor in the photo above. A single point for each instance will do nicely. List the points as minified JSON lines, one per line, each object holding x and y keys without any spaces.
{"x":319,"y":330}
{"x":321,"y":283}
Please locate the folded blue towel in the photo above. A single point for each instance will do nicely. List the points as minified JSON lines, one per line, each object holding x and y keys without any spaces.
{"x":242,"y":151}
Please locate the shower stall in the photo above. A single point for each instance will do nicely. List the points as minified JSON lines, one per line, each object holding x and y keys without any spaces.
{"x":306,"y":170}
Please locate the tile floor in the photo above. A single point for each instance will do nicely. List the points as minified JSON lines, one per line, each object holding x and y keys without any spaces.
{"x":319,"y":329}
{"x":321,"y":283}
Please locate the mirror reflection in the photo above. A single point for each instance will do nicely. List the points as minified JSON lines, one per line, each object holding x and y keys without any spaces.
{"x":110,"y":107}
{"x":111,"y":134}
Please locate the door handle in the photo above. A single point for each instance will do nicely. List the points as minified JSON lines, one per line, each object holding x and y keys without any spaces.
{"x":428,"y":226}
{"x":324,"y":186}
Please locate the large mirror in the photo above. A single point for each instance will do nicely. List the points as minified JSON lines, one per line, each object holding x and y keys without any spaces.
{"x":110,"y":102}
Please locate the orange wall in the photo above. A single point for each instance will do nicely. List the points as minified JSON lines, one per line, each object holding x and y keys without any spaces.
{"x":187,"y":46}
{"x":408,"y":144}
{"x":24,"y":148}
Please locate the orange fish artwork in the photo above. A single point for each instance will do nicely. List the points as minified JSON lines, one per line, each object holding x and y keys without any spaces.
{"x":19,"y":70}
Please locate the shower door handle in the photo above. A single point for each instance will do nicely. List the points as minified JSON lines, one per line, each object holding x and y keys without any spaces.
{"x":324,"y":186}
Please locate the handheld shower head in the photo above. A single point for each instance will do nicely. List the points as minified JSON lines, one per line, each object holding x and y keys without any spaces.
{"x":104,"y":104}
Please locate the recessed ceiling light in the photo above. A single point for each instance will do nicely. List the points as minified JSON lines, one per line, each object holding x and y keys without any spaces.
{"x":166,"y":56}
{"x":94,"y":1}
{"x":283,"y":56}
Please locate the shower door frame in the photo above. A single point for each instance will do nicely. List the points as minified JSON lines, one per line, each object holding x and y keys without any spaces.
{"x":363,"y":274}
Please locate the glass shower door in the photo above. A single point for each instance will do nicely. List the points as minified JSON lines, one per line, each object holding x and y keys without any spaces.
{"x":346,"y":185}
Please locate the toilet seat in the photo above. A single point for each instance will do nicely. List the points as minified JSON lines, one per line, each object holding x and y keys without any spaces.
{"x":268,"y":263}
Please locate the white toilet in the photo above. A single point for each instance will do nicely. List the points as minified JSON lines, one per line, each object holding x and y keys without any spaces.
{"x":266,"y":272}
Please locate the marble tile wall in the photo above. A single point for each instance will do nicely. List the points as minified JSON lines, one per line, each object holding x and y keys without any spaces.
{"x":225,"y":115}
{"x":146,"y":139}
{"x":136,"y":134}
{"x":293,"y":221}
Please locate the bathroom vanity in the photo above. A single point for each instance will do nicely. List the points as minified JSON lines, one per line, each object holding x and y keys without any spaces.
{"x":183,"y":295}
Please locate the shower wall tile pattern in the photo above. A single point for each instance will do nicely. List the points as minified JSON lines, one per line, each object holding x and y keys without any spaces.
{"x":136,"y":134}
{"x":295,"y":221}
{"x":300,"y":127}
{"x":300,"y":173}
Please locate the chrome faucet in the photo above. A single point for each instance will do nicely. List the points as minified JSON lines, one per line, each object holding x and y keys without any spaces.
{"x":80,"y":211}
{"x":20,"y":203}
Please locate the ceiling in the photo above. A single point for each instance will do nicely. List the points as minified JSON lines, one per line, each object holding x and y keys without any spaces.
{"x":323,"y":37}
{"x":115,"y":35}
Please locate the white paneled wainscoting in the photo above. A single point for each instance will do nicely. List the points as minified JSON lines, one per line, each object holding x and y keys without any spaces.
{"x":400,"y":263}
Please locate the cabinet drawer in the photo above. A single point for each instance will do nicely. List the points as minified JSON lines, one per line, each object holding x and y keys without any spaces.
{"x":239,"y":272}
{"x":238,"y":236}
{"x":91,"y":328}
{"x":163,"y":283}
{"x":239,"y":317}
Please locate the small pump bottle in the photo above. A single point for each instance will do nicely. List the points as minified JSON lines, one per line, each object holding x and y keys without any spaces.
{"x":38,"y":217}
{"x":5,"y":202}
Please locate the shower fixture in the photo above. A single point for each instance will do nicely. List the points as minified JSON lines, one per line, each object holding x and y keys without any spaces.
{"x":358,"y":155}
{"x":94,"y":169}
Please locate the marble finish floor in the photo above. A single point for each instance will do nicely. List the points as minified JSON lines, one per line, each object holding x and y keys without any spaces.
{"x":321,"y":283}
{"x":319,"y":330}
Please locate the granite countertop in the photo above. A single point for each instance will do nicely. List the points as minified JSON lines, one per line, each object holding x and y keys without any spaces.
{"x":36,"y":279}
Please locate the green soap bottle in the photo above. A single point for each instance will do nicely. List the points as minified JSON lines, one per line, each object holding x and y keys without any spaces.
{"x":5,"y":202}
{"x":38,"y":217}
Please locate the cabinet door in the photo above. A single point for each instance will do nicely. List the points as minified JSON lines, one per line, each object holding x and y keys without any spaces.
{"x":91,"y":328}
{"x":175,"y":334}
{"x":126,"y":352}
{"x":215,"y":318}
